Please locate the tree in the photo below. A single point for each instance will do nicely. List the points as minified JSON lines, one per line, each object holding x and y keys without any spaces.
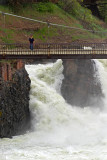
{"x":17,"y":4}
{"x":102,"y":6}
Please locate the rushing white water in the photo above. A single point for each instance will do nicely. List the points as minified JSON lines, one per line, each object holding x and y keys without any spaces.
{"x":59,"y":131}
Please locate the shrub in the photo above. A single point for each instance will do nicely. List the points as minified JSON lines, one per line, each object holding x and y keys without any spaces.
{"x":45,"y":7}
{"x":70,"y":6}
{"x":103,"y":10}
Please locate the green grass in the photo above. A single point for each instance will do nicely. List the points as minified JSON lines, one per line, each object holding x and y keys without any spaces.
{"x":97,"y":27}
{"x":38,"y":9}
{"x":43,"y":11}
{"x":44,"y":7}
{"x":5,"y":8}
{"x":81,"y":13}
{"x":8,"y":35}
{"x":45,"y":33}
{"x":87,"y":36}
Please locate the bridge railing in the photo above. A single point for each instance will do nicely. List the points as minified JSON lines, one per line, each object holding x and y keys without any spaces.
{"x":53,"y":48}
{"x":71,"y":46}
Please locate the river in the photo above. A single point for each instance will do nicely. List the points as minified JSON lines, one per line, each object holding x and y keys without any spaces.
{"x":59,"y":131}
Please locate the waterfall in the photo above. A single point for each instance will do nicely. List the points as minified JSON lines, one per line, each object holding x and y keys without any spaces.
{"x":59,"y":130}
{"x":55,"y":120}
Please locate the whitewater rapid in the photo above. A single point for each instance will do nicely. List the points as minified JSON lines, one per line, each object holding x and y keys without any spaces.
{"x":59,"y":131}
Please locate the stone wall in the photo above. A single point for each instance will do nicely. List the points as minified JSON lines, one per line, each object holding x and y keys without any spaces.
{"x":7,"y":68}
{"x":81,"y":86}
{"x":14,"y":104}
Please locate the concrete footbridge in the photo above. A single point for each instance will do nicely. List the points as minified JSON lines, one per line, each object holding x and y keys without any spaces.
{"x":54,"y":51}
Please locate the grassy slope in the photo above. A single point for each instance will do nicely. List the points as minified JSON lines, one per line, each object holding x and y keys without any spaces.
{"x":18,"y":30}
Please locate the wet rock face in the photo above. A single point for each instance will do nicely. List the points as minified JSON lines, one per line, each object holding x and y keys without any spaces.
{"x":14,"y":105}
{"x":81,"y":86}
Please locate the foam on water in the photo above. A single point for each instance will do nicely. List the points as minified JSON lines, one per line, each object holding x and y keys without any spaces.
{"x":59,"y":131}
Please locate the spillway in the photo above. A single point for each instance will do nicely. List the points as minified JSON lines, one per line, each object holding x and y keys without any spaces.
{"x":59,"y":131}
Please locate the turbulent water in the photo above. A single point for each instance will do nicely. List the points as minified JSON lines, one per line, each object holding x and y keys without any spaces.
{"x":59,"y":131}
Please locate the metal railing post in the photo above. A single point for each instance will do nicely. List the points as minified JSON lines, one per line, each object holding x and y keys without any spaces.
{"x":56,"y":49}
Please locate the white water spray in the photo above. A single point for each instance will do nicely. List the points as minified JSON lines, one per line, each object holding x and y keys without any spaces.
{"x":60,"y":131}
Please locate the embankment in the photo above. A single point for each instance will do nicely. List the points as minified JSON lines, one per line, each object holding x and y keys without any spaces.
{"x":14,"y":104}
{"x":81,"y":85}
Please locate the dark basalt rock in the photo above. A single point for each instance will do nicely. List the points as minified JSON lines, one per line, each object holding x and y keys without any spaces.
{"x":81,"y":86}
{"x":14,"y":105}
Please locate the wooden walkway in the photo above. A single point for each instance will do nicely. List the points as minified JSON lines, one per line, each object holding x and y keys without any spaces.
{"x":65,"y":51}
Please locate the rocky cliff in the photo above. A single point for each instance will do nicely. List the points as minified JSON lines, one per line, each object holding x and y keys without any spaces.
{"x":81,"y":86}
{"x":14,"y":104}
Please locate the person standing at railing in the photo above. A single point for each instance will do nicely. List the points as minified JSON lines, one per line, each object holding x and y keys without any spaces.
{"x":31,"y":40}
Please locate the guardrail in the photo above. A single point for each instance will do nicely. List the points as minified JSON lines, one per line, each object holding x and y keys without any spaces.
{"x":83,"y":46}
{"x":53,"y":49}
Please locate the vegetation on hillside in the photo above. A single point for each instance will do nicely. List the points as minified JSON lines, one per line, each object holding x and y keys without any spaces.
{"x":67,"y":5}
{"x":103,"y":9}
{"x":69,"y":13}
{"x":70,"y":6}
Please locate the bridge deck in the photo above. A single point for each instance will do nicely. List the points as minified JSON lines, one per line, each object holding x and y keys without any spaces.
{"x":64,"y":51}
{"x":54,"y":54}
